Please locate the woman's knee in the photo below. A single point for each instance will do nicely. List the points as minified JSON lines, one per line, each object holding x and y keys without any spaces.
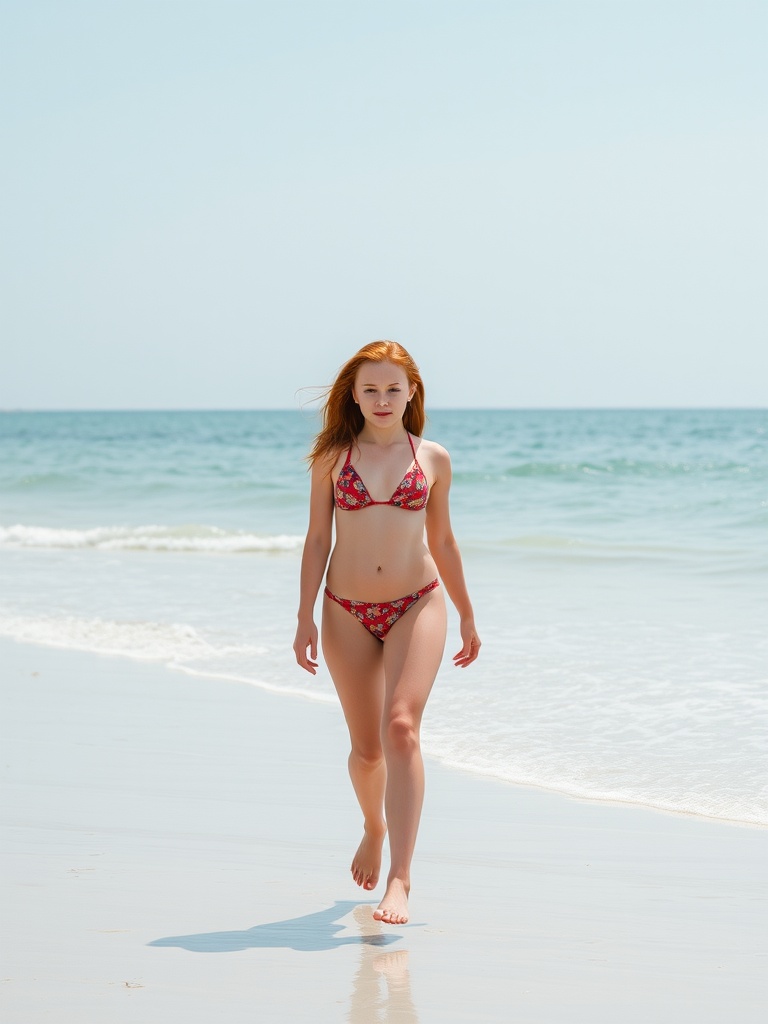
{"x":400,"y":734}
{"x":367,"y":758}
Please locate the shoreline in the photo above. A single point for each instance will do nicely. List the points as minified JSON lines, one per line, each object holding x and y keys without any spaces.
{"x":330,"y":700}
{"x":454,"y":766}
{"x":152,"y":817}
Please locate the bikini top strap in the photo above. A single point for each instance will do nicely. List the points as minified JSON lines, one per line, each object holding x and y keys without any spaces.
{"x":411,"y":442}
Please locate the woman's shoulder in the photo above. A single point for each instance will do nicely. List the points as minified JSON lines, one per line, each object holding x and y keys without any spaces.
{"x":324,"y":464}
{"x":434,"y":451}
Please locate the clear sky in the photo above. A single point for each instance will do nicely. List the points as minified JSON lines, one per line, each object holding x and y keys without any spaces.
{"x":548,"y":202}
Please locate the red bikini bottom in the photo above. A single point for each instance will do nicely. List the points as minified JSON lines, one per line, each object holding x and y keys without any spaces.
{"x":379,"y":617}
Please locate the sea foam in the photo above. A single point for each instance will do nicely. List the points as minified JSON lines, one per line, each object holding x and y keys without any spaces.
{"x":190,"y":538}
{"x":170,"y":643}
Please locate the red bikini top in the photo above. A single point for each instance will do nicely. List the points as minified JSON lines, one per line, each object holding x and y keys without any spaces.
{"x":411,"y":493}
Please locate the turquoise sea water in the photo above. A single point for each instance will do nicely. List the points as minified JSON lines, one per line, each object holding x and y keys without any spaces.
{"x":618,"y":562}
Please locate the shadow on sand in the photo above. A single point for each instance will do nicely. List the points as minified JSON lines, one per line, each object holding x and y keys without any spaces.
{"x":370,"y":1002}
{"x":310,"y":933}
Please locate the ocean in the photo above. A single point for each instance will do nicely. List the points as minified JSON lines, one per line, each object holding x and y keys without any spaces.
{"x":617,"y":561}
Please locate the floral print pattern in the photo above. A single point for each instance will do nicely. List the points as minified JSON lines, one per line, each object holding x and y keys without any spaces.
{"x":411,"y":493}
{"x":379,"y":617}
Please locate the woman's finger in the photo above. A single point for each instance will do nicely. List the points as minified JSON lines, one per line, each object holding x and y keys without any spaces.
{"x":308,"y":663}
{"x":468,"y":653}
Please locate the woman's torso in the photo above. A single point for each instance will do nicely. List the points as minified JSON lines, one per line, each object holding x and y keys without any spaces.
{"x":379,"y":553}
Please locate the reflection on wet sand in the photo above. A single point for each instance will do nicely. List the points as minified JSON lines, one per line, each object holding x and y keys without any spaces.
{"x":371,"y":1001}
{"x":381,"y":987}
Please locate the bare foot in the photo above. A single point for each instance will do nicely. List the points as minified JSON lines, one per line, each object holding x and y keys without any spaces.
{"x":393,"y":909}
{"x":366,"y":864}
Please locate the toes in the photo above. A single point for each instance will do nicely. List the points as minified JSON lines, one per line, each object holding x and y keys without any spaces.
{"x":363,"y":880}
{"x":389,"y":916}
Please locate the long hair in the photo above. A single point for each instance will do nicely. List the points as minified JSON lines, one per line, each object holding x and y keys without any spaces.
{"x":342,"y":419}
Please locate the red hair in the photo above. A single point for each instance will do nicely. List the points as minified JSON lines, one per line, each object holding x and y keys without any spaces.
{"x":342,"y":419}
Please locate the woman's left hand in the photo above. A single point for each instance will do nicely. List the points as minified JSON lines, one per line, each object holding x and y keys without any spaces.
{"x":471,"y":648}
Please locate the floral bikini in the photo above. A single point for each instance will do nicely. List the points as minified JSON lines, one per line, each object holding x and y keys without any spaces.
{"x":350,"y":495}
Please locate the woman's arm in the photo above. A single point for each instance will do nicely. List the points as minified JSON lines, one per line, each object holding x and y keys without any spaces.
{"x":445,"y":551}
{"x":317,"y":547}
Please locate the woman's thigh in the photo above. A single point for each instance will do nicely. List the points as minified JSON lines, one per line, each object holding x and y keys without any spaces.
{"x":413,"y":651}
{"x":355,"y":659}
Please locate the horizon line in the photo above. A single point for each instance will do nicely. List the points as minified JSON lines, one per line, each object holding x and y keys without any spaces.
{"x":11,"y":410}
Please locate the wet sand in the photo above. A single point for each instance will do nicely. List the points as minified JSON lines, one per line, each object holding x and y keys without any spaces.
{"x":177,"y":848}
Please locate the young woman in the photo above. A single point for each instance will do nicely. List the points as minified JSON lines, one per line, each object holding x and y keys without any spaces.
{"x":384,"y":619}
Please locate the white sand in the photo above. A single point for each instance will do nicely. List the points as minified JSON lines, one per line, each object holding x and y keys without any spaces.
{"x":177,"y":849}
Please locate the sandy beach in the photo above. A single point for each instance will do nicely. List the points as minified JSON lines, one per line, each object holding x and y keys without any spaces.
{"x":177,"y":848}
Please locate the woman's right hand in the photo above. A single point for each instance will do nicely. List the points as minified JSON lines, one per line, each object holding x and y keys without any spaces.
{"x":306,"y":639}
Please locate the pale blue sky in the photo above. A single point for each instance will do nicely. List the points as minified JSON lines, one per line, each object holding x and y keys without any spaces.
{"x":211,"y":204}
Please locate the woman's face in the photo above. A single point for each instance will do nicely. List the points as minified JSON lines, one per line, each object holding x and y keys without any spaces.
{"x":382,"y":391}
